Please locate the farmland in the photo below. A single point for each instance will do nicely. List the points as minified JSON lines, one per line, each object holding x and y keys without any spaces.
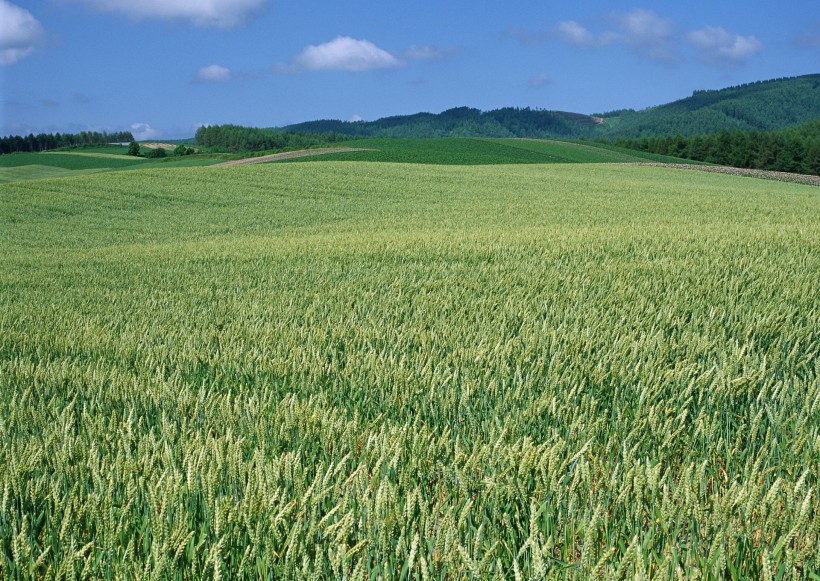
{"x":480,"y":151}
{"x":26,"y":166}
{"x":452,"y":151}
{"x":360,"y":369}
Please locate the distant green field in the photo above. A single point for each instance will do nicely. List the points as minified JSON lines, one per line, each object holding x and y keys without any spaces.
{"x":70,"y":161}
{"x":588,"y":152}
{"x":483,"y":151}
{"x":35,"y":172}
{"x":453,"y":151}
{"x":347,"y":370}
{"x":27,"y":166}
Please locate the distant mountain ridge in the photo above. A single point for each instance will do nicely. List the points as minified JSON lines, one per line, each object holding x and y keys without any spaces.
{"x":460,"y":122}
{"x":763,"y":106}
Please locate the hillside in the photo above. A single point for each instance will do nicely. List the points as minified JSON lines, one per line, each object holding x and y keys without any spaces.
{"x":762,"y":106}
{"x":461,"y":122}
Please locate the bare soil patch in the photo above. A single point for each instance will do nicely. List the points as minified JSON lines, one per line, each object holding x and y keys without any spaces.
{"x":158,"y":145}
{"x":291,"y":155}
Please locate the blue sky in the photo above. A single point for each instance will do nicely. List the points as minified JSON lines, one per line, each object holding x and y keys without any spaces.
{"x":161,"y":68}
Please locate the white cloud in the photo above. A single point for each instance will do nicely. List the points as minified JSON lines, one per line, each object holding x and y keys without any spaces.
{"x":343,"y":54}
{"x":648,"y":34}
{"x":220,"y":13}
{"x":356,"y":118}
{"x":573,"y":33}
{"x":19,"y":33}
{"x":214,"y":74}
{"x":721,"y":48}
{"x":143,"y":131}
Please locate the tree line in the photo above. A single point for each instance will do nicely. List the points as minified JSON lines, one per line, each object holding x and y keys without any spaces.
{"x":237,"y":138}
{"x":46,"y":141}
{"x":794,"y":150}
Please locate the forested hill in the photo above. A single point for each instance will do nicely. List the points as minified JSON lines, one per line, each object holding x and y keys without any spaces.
{"x":462,"y":122}
{"x":763,"y":106}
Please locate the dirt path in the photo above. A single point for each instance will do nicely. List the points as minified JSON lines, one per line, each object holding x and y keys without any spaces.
{"x":737,"y":171}
{"x":291,"y":155}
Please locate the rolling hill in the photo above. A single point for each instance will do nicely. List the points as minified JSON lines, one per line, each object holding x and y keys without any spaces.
{"x":461,"y":122}
{"x":763,"y":106}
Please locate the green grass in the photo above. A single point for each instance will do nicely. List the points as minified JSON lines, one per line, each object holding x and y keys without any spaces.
{"x":28,"y":166}
{"x":109,"y":149}
{"x":453,"y":151}
{"x":36,"y":172}
{"x":480,"y":151}
{"x":71,"y":161}
{"x":590,"y":152}
{"x":393,"y":370}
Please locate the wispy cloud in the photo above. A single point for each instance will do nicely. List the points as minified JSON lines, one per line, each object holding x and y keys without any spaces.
{"x":342,"y":54}
{"x":20,"y":33}
{"x":540,"y":81}
{"x":528,"y":38}
{"x":660,"y":39}
{"x":810,"y":37}
{"x":428,"y":53}
{"x":214,"y":74}
{"x":576,"y":34}
{"x":219,"y":13}
{"x":648,"y":34}
{"x":720,"y":48}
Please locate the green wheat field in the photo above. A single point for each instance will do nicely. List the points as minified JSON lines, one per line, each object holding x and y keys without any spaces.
{"x":362,"y":370}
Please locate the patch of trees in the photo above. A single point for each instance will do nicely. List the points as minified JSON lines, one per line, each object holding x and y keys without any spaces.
{"x":794,"y":150}
{"x":46,"y":141}
{"x":237,"y":138}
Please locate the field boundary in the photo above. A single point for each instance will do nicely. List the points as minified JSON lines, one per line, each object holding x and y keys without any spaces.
{"x":780,"y":176}
{"x":291,"y":155}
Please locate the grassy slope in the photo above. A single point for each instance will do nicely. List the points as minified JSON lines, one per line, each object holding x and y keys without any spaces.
{"x":447,"y":151}
{"x":495,"y":369}
{"x":485,"y":151}
{"x":37,"y":172}
{"x":70,"y":161}
{"x":27,"y":166}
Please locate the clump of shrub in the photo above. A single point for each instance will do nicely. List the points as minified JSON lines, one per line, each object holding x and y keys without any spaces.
{"x":156,"y":152}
